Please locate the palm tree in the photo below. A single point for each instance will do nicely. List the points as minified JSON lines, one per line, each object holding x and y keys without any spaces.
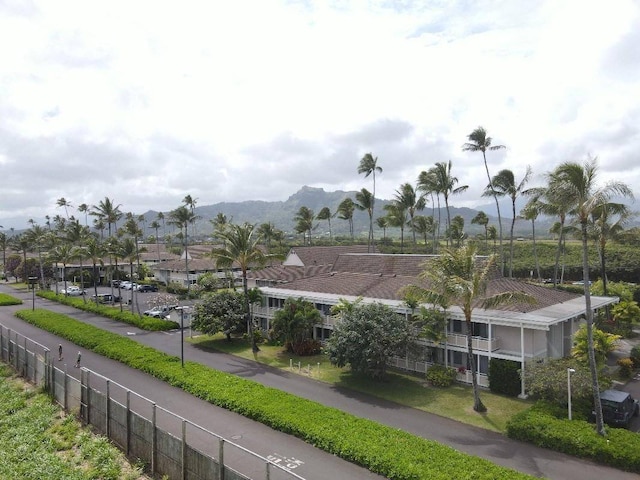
{"x":397,"y":217}
{"x":4,"y":242}
{"x":440,"y":180}
{"x":241,"y":249}
{"x":77,"y":235}
{"x":530,"y":212}
{"x":181,"y":217}
{"x":369,"y":166}
{"x":62,"y":253}
{"x":129,"y":253}
{"x":383,"y":223}
{"x":304,"y":223}
{"x":412,"y":202}
{"x":156,"y":226}
{"x":220,"y":223}
{"x":424,"y":226}
{"x":108,"y":211}
{"x":364,"y":202}
{"x":160,"y":217}
{"x":345,"y":212}
{"x":480,"y":142}
{"x":39,"y":236}
{"x":95,"y":252}
{"x":63,"y":202}
{"x":325,"y":214}
{"x":427,"y":183}
{"x":22,"y":244}
{"x":504,"y":185}
{"x":191,"y":202}
{"x":458,"y":278}
{"x":84,"y":208}
{"x":482,"y":219}
{"x":113,"y":248}
{"x":577,"y":185}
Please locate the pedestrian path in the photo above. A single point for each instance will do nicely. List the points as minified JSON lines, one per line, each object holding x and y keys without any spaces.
{"x":475,"y":441}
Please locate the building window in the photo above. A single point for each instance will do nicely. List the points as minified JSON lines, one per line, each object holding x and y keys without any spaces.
{"x":480,"y":330}
{"x":457,"y":326}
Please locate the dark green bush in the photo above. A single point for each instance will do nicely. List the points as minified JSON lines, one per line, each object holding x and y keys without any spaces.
{"x":441,"y":376}
{"x":396,"y":454}
{"x":540,"y":426}
{"x":504,"y":377}
{"x":635,"y":356}
{"x":626,"y":367}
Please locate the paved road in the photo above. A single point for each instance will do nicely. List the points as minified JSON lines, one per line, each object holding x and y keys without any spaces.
{"x":476,"y":441}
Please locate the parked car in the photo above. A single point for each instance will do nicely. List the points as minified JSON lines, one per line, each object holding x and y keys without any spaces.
{"x":126,"y":285}
{"x":618,"y":407}
{"x":116,"y":283}
{"x":147,"y":288}
{"x":161,"y":311}
{"x":105,"y":298}
{"x":72,"y":291}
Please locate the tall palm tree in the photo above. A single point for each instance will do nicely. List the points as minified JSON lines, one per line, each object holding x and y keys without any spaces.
{"x":428,"y":183}
{"x":181,"y":217}
{"x":63,"y":202}
{"x":577,"y":185}
{"x":424,"y":225}
{"x":113,"y":248}
{"x":480,"y":142}
{"x":191,"y":202}
{"x":369,"y":166}
{"x":84,"y":208}
{"x":440,"y":180}
{"x":530,"y":212}
{"x":220,"y":223}
{"x":364,"y":202}
{"x":62,"y":253}
{"x":160,"y":217}
{"x":40,"y":238}
{"x":397,"y":217}
{"x":4,"y":243}
{"x":325,"y":214}
{"x":130,"y":255}
{"x":95,"y":253}
{"x":242,"y":248}
{"x":77,"y":235}
{"x":156,"y":226}
{"x":412,"y":201}
{"x":345,"y":212}
{"x":457,"y":278}
{"x":304,"y":219}
{"x":108,"y":211}
{"x":22,"y":244}
{"x":482,"y":219}
{"x":504,"y":185}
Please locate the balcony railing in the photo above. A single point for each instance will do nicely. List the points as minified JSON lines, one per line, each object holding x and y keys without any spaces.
{"x":481,"y":344}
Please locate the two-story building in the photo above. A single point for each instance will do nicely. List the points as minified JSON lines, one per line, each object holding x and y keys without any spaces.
{"x":522,"y":332}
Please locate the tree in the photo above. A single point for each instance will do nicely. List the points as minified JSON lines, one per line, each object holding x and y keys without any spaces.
{"x":458,"y":278}
{"x":242,"y":250}
{"x":63,"y":202}
{"x":108,"y":211}
{"x":504,"y":185}
{"x":219,"y":312}
{"x":577,"y":186}
{"x":428,"y":183}
{"x":95,"y":252}
{"x":84,"y":208}
{"x":482,"y":219}
{"x":548,"y":381}
{"x":156,"y":226}
{"x":4,"y":242}
{"x":304,"y":219}
{"x":325,"y":214}
{"x":40,"y":238}
{"x":603,"y":344}
{"x":369,"y":166}
{"x":424,"y":226}
{"x":62,"y":253}
{"x":412,"y":202}
{"x":22,"y":244}
{"x":456,"y":230}
{"x":209,"y":282}
{"x":397,"y":217}
{"x":293,"y":324}
{"x":181,"y":217}
{"x":191,"y":202}
{"x":383,"y":223}
{"x":345,"y":212}
{"x":220,"y":224}
{"x":480,"y":142}
{"x":366,"y":337}
{"x":364,"y":202}
{"x":530,"y":212}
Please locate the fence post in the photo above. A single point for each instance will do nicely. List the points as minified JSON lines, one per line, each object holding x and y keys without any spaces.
{"x":184,"y":449}
{"x":106,"y":409}
{"x":153,"y":439}
{"x":45,"y":372}
{"x":66,"y":388}
{"x":26,"y":360}
{"x":128,"y":421}
{"x":221,"y":459}
{"x":9,"y":346}
{"x":267,"y":471}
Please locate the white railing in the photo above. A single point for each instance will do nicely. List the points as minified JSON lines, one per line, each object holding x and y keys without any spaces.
{"x":479,"y":343}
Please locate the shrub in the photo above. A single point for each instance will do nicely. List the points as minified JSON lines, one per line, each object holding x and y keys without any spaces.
{"x":626,"y":367}
{"x":504,"y":377}
{"x":441,"y":376}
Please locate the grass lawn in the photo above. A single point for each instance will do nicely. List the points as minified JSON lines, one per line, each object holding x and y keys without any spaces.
{"x":455,"y":402}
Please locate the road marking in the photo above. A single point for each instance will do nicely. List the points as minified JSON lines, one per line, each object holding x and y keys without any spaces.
{"x":288,"y":463}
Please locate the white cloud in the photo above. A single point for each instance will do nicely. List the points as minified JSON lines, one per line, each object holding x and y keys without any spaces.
{"x":145,"y":101}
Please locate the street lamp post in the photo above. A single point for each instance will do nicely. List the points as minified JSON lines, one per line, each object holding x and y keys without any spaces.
{"x":32,"y":283}
{"x":569,"y":372}
{"x":181,"y":334}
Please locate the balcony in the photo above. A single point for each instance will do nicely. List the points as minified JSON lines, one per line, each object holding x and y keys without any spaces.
{"x":480,"y":344}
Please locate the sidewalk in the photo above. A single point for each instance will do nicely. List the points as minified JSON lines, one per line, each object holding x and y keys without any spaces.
{"x":475,"y":441}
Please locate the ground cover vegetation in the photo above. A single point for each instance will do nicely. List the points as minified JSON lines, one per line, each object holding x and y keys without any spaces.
{"x":6,"y":300}
{"x":384,"y":450}
{"x":39,"y":441}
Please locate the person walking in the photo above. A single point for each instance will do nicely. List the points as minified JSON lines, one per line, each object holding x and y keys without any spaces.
{"x":60,"y":352}
{"x":77,"y":365}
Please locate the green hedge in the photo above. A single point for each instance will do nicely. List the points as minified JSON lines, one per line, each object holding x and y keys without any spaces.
{"x":538,"y":425}
{"x":504,"y":377}
{"x":6,"y":300}
{"x":394,"y":453}
{"x":145,"y":323}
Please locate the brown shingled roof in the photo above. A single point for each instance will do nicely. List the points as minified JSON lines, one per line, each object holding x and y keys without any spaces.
{"x":325,"y":255}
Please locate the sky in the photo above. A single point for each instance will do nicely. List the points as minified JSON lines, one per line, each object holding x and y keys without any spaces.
{"x":146,"y":102}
